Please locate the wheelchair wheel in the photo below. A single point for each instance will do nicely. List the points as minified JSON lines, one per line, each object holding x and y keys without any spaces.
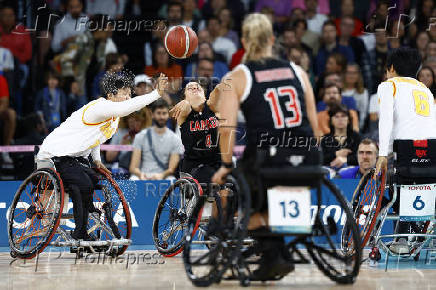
{"x":35,"y":213}
{"x":340,"y":266}
{"x":172,"y":215}
{"x":366,"y":204}
{"x":205,"y":265}
{"x":111,"y":217}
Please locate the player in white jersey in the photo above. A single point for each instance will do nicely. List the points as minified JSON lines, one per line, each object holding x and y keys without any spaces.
{"x":69,"y":146}
{"x":406,"y":111}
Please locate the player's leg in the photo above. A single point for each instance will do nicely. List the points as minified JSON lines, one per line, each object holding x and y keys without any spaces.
{"x":75,"y":177}
{"x":275,"y":259}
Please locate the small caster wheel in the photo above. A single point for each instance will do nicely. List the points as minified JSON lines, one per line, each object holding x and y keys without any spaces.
{"x":375,"y":254}
{"x":245,"y":282}
{"x":13,"y":254}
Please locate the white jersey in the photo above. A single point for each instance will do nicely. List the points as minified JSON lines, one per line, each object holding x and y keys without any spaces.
{"x":93,"y":124}
{"x":406,"y":112}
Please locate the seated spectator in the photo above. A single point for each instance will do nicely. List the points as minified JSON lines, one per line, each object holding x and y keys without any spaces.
{"x":113,"y":63}
{"x":65,"y":30}
{"x":281,"y":8}
{"x":377,"y":57}
{"x":340,"y":145}
{"x":160,"y":28}
{"x":7,"y":116}
{"x":75,"y":98}
{"x":430,"y":50}
{"x":174,"y":13}
{"x":51,"y":103}
{"x":192,"y":16}
{"x":347,"y":10}
{"x":220,"y":44}
{"x":35,"y":132}
{"x":128,"y":128}
{"x":336,"y":64}
{"x":353,"y":87}
{"x":144,"y":85}
{"x":226,"y":23}
{"x":315,"y":20}
{"x":332,"y":98}
{"x":357,"y":45}
{"x":421,"y":41}
{"x":426,"y":76}
{"x":329,"y":46}
{"x":300,"y":57}
{"x":157,"y":150}
{"x":335,"y":79}
{"x":113,"y":8}
{"x":205,"y":50}
{"x":14,"y":36}
{"x":162,"y":63}
{"x":367,"y":153}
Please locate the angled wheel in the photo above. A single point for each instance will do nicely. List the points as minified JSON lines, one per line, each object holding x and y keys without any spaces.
{"x":366,"y":204}
{"x":172,"y":215}
{"x":111,"y":218}
{"x":340,"y":266}
{"x":35,"y":213}
{"x":226,"y":230}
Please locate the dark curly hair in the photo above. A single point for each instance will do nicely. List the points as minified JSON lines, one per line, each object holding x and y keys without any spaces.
{"x":112,"y":82}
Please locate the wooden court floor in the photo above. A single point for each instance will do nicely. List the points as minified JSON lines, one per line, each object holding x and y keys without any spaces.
{"x":146,"y":270}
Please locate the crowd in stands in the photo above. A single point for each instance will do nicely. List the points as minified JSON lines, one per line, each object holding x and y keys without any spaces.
{"x":53,"y":54}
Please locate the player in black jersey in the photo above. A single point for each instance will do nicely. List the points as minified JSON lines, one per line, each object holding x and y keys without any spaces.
{"x":276,"y":99}
{"x":198,"y":123}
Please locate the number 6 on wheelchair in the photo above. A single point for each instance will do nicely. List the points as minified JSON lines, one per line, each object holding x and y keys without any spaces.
{"x":38,"y":214}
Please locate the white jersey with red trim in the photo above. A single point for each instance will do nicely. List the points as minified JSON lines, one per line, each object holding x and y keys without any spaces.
{"x":93,"y":124}
{"x":406,"y":112}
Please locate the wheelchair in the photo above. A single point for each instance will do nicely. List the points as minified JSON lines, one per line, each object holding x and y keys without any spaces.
{"x":38,"y":217}
{"x":414,"y":175}
{"x":176,"y":208}
{"x":297,"y":209}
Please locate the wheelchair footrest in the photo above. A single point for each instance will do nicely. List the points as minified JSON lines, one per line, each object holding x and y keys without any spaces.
{"x":85,"y":244}
{"x":67,"y":216}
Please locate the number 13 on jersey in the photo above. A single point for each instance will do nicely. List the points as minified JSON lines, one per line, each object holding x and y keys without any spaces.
{"x":291,"y":104}
{"x":289,"y":210}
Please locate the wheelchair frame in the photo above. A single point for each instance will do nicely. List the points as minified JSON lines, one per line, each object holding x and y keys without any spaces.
{"x":234,"y":245}
{"x":378,"y":240}
{"x":184,"y":214}
{"x":102,"y":225}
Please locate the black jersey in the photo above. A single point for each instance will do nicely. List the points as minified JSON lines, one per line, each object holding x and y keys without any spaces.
{"x":273,"y":104}
{"x":200,"y":136}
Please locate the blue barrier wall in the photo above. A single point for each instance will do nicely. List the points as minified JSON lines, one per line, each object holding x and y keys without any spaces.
{"x":143,"y":197}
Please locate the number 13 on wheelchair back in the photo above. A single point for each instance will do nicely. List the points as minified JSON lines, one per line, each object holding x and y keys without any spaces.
{"x":303,"y":206}
{"x":38,"y":217}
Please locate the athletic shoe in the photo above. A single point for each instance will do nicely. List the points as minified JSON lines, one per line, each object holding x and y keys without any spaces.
{"x":400,"y":246}
{"x":275,"y":262}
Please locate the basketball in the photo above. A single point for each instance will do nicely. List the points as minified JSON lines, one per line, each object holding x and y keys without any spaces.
{"x":181,"y":41}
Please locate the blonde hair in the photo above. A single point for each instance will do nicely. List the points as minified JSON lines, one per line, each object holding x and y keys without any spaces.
{"x":256,"y":33}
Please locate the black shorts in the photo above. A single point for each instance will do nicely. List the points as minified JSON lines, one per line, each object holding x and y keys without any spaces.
{"x":202,"y":172}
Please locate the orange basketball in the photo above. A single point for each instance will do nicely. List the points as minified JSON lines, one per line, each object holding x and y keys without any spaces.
{"x":180,"y":41}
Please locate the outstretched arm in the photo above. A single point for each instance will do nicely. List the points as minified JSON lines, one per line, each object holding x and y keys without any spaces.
{"x":181,"y":111}
{"x":103,"y":110}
